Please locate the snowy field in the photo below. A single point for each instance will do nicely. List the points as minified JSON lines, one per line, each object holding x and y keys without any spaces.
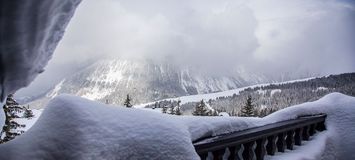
{"x":75,"y":128}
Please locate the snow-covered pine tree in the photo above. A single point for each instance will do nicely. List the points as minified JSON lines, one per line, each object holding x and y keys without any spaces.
{"x":164,"y":110}
{"x":171,"y":110}
{"x":200,"y":109}
{"x":178,"y":110}
{"x":10,"y":129}
{"x":127,"y":102}
{"x":248,"y":108}
{"x":210,"y":113}
{"x":28,"y":113}
{"x":155,"y":105}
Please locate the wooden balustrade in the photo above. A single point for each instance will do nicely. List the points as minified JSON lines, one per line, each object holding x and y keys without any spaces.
{"x":257,"y":142}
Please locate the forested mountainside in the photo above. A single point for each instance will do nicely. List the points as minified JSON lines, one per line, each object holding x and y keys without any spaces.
{"x":269,"y":98}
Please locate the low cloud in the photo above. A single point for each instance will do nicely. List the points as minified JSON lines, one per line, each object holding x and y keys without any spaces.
{"x":295,"y":36}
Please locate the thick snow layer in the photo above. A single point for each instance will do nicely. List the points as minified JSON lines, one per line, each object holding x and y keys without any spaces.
{"x":2,"y":114}
{"x":30,"y":31}
{"x":75,"y":128}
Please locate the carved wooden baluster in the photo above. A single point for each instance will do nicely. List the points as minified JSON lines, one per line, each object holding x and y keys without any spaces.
{"x":305,"y":133}
{"x":248,"y":153}
{"x":203,"y":156}
{"x":320,"y":126}
{"x":298,"y":136}
{"x":271,"y":145}
{"x":281,"y":142}
{"x":218,"y":155}
{"x":260,"y":150}
{"x":312,"y":129}
{"x":290,"y":140}
{"x":234,"y":153}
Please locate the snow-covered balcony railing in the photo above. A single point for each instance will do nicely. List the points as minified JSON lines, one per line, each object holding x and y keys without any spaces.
{"x":262,"y":140}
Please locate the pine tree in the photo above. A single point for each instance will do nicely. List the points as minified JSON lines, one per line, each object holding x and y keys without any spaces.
{"x":200,"y":109}
{"x":248,"y":108}
{"x":10,"y":129}
{"x":127,"y":102}
{"x":155,"y":105}
{"x":171,"y":111}
{"x":28,"y":113}
{"x":178,"y":110}
{"x":210,"y":113}
{"x":164,"y":110}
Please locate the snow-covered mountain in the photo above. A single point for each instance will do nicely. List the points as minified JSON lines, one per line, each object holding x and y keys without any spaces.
{"x":111,"y":80}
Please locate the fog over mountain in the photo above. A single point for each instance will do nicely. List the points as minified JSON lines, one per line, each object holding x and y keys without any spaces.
{"x":295,"y":38}
{"x":111,"y":80}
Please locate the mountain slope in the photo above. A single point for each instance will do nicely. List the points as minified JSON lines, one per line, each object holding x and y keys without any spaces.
{"x":110,"y":80}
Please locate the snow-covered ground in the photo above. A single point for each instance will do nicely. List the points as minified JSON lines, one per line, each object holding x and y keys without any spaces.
{"x":75,"y":128}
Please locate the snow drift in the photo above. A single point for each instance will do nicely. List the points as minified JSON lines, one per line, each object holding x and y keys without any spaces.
{"x":76,"y":128}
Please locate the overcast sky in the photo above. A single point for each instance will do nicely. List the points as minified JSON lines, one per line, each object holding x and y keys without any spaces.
{"x":315,"y":36}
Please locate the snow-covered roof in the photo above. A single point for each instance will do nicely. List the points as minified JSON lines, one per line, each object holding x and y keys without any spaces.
{"x":75,"y":128}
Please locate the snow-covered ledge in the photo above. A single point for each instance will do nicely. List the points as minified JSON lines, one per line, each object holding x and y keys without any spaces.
{"x":75,"y":128}
{"x":29,"y":32}
{"x":2,"y":115}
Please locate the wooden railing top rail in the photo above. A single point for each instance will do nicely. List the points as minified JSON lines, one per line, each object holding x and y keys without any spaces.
{"x":253,"y":134}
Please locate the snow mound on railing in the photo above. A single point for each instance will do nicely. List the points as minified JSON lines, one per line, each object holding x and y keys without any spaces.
{"x":76,"y":128}
{"x":338,"y":141}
